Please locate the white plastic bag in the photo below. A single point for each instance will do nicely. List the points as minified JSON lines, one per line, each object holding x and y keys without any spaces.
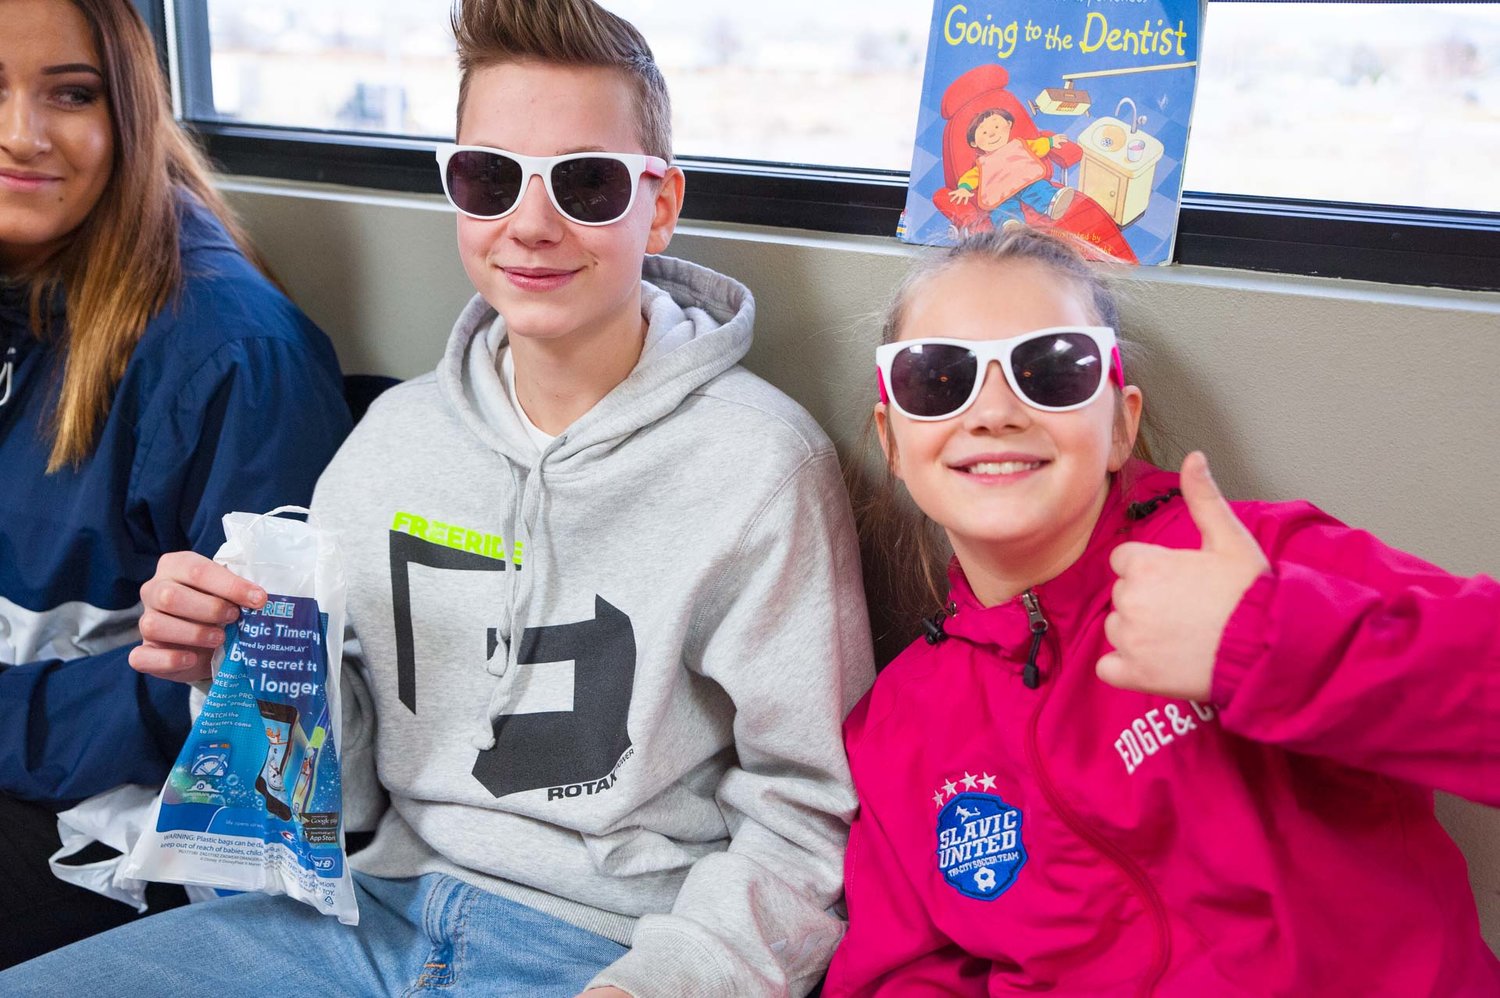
{"x":254,"y":801}
{"x":114,"y":818}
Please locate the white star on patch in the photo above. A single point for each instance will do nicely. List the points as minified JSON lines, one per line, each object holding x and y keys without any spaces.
{"x":938,"y":798}
{"x":950,"y":788}
{"x":969,"y":781}
{"x":988,"y":782}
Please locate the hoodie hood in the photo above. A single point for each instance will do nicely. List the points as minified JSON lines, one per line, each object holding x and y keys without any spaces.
{"x":699,"y":325}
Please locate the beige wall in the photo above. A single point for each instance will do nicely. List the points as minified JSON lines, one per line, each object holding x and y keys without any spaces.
{"x":1376,"y":402}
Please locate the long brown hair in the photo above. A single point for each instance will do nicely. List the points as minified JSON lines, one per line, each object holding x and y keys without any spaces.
{"x":905,"y":553}
{"x":122,"y":265}
{"x":565,"y":33}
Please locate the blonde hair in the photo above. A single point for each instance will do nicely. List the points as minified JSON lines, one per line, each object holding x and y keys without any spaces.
{"x":122,"y":264}
{"x":905,"y":552}
{"x":566,"y":33}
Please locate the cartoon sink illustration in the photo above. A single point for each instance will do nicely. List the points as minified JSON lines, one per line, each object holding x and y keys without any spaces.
{"x":1119,"y":163}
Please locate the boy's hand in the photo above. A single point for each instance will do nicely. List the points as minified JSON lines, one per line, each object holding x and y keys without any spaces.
{"x":960,"y":195}
{"x":605,"y":993}
{"x":1170,"y":606}
{"x":1059,"y":139}
{"x":188,"y":601}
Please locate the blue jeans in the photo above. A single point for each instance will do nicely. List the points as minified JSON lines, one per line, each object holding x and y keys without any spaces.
{"x":1038,"y":194}
{"x":433,"y":935}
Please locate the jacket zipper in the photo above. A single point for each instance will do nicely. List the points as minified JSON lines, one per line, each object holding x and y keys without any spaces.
{"x":1031,"y":675}
{"x":1064,"y":811}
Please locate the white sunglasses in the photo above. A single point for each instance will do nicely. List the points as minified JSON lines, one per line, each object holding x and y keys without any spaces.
{"x":1057,"y":369}
{"x":590,"y":188}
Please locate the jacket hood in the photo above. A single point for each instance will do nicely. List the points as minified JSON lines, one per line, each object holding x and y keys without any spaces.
{"x":699,"y":325}
{"x":1136,"y":492}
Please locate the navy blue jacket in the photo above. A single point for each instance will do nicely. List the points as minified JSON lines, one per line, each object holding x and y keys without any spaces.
{"x":231,"y":401}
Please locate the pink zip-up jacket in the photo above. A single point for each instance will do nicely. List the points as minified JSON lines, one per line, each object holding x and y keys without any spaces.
{"x":1084,"y":840}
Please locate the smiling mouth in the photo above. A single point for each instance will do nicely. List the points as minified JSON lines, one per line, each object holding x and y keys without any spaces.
{"x":538,"y":280}
{"x":1000,"y":467}
{"x":27,"y":179}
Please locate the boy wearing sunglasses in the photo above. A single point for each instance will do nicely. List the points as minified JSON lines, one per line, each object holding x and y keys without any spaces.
{"x":606,"y":589}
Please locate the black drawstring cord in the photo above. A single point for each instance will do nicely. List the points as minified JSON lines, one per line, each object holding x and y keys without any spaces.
{"x":932,"y":627}
{"x":1141,"y":510}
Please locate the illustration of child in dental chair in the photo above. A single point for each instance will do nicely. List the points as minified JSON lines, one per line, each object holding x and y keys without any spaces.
{"x":999,"y":167}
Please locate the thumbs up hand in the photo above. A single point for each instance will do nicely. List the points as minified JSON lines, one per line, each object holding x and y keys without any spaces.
{"x":1171,"y":605}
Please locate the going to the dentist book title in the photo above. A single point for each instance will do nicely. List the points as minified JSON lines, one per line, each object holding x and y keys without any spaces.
{"x":1071,"y":114}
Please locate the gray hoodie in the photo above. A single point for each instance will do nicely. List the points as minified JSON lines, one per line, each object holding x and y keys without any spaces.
{"x":609,"y":677}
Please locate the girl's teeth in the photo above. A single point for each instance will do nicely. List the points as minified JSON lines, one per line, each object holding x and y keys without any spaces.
{"x":1003,"y":467}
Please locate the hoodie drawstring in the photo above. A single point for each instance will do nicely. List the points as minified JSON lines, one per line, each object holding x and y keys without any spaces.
{"x":524,"y":517}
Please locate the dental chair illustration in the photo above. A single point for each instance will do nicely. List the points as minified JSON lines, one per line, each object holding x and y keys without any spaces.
{"x":984,"y":88}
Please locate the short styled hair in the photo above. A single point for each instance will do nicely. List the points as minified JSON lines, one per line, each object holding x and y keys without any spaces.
{"x":565,"y":33}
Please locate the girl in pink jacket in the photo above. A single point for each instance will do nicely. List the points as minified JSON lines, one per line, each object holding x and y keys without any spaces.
{"x":1155,"y":743}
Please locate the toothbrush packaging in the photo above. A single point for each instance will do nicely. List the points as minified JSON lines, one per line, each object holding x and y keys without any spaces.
{"x":253,"y":802}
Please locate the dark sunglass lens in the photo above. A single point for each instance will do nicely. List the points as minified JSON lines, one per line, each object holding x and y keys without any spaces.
{"x":1058,"y":370}
{"x":932,"y":379}
{"x":483,"y":183}
{"x":593,"y":188}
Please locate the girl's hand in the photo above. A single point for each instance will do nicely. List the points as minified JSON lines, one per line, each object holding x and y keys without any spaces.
{"x":1170,"y":605}
{"x":188,"y":601}
{"x":960,"y":195}
{"x":605,"y":993}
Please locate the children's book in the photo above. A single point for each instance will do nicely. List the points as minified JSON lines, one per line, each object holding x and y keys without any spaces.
{"x":1071,"y":114}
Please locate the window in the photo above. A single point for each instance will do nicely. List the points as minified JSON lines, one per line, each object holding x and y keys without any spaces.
{"x":1389,"y":104}
{"x":832,"y":85}
{"x":1341,"y":138}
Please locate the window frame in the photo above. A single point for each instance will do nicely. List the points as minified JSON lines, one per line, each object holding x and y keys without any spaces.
{"x":1391,"y":245}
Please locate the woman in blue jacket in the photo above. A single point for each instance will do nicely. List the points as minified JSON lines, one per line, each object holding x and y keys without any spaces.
{"x":151,"y":379}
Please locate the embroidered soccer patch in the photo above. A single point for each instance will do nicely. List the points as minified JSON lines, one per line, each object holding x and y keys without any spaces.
{"x":980,"y":851}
